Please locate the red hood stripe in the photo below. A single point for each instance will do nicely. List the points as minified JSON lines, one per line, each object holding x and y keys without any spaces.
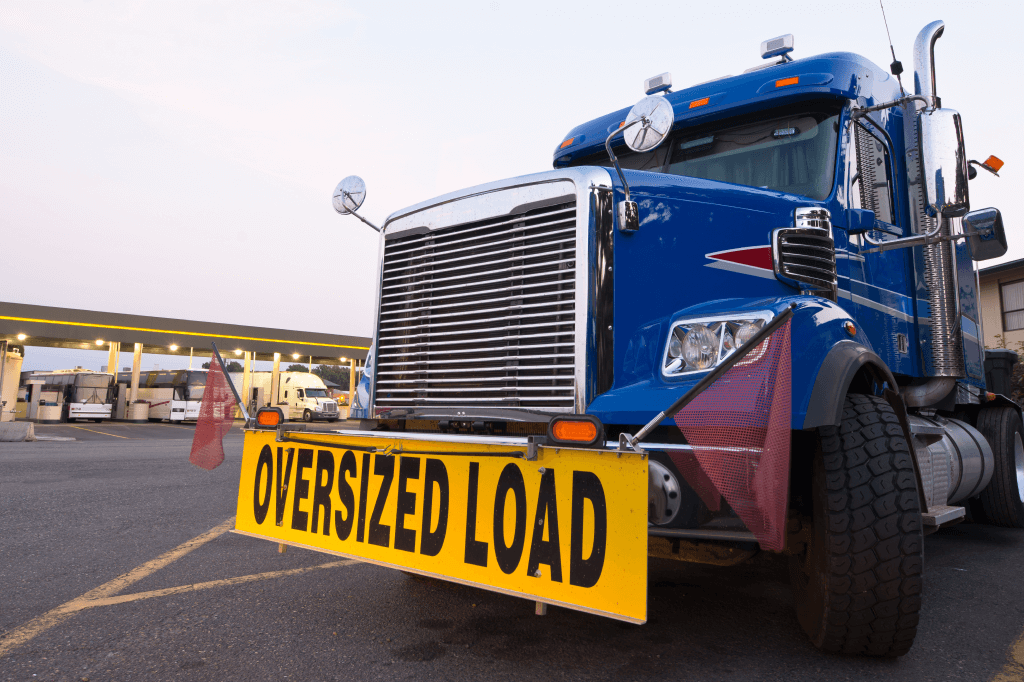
{"x":757,"y":256}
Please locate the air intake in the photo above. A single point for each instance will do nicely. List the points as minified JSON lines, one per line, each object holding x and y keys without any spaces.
{"x":804,"y":256}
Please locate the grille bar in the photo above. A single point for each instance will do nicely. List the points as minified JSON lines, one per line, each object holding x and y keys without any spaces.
{"x":412,"y":243}
{"x":455,"y":301}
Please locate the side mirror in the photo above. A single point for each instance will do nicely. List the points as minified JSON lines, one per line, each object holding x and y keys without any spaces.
{"x":647,"y":125}
{"x":984,"y":229}
{"x":944,"y":162}
{"x":349,"y":196}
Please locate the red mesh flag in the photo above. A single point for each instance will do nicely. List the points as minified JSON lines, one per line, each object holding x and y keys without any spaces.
{"x":216,"y":415}
{"x":739,"y":431}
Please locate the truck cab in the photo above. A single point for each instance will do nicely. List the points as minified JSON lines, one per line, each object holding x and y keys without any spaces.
{"x":790,"y":252}
{"x":304,"y":396}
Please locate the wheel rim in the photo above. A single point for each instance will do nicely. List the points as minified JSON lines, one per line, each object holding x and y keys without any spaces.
{"x":1018,"y":461}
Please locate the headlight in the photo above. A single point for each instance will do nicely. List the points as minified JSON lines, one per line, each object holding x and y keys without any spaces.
{"x":699,"y":344}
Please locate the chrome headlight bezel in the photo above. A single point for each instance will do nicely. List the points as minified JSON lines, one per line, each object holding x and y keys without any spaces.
{"x":731,"y":321}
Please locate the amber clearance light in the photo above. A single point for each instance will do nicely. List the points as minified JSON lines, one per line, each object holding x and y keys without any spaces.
{"x":575,"y":430}
{"x":268,"y":417}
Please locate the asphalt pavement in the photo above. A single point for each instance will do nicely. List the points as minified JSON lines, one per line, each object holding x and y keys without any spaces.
{"x":74,"y":516}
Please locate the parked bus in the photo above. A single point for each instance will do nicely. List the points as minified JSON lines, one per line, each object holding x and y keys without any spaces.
{"x":82,"y":394}
{"x":173,"y":395}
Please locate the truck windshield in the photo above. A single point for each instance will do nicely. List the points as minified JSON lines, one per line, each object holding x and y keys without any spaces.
{"x":316,"y":393}
{"x":795,"y":153}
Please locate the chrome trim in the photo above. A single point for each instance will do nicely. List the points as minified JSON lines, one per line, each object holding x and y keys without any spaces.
{"x":805,"y":257}
{"x":812,"y":216}
{"x":765,"y":316}
{"x":491,"y":200}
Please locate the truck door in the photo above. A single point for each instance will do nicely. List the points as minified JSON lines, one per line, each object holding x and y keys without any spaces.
{"x":876,"y":287}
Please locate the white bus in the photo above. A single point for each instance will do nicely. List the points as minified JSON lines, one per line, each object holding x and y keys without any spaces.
{"x":81,"y":394}
{"x":174,"y":395}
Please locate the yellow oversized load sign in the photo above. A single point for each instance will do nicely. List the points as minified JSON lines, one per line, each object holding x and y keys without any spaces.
{"x":569,"y":528}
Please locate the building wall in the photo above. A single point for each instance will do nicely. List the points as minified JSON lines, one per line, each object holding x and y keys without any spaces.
{"x":991,"y":312}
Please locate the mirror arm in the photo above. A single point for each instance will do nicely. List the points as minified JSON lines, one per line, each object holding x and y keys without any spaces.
{"x":864,"y":111}
{"x":916,"y":240}
{"x":353,"y":211}
{"x":611,"y":154}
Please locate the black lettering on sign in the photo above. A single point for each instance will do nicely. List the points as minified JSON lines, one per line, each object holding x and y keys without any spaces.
{"x":364,"y":489}
{"x":405,"y":538}
{"x":322,"y":490}
{"x":266,"y":461}
{"x":511,"y":479}
{"x":432,"y":541}
{"x":586,"y":572}
{"x":282,"y":488}
{"x":343,"y":526}
{"x":300,"y":519}
{"x":384,"y":465}
{"x":546,"y":551}
{"x":476,"y":551}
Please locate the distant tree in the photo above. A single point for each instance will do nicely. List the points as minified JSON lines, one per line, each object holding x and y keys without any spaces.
{"x":296,"y":368}
{"x":338,"y":375}
{"x":233,"y":366}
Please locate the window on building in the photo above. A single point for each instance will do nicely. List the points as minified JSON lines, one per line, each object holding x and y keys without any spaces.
{"x":1012,"y":301}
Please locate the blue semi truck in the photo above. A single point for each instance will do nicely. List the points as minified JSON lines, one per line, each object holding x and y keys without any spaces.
{"x":567,"y":310}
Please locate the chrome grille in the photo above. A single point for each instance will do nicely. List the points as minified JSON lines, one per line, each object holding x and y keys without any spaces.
{"x":805,"y":256}
{"x":481,"y":314}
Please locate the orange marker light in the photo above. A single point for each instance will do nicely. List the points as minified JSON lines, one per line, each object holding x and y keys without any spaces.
{"x":994,"y":162}
{"x":576,"y":431}
{"x":566,"y":143}
{"x":269,"y":418}
{"x":787,"y":81}
{"x":622,"y":123}
{"x":699,"y":102}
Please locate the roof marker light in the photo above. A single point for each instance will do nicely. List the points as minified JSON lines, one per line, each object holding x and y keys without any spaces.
{"x":566,"y":143}
{"x":699,"y":102}
{"x":782,"y":82}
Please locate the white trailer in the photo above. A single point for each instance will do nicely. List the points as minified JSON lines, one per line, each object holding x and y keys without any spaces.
{"x":300,"y":395}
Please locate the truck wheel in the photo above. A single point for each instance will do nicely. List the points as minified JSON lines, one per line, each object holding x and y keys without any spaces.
{"x":858,"y":583}
{"x":307,"y":416}
{"x":1002,"y":502}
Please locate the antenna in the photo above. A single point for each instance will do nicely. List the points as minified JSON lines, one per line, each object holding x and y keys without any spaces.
{"x":895,"y":67}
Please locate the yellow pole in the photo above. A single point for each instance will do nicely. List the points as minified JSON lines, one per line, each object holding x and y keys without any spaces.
{"x":133,"y":394}
{"x":246,"y":369}
{"x":275,"y":380}
{"x":113,"y":357}
{"x":351,"y":382}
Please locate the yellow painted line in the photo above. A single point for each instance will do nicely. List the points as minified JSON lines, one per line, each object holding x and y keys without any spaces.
{"x":114,"y":435}
{"x":175,"y":331}
{"x":1013,"y":671}
{"x":24,"y":633}
{"x":124,"y":598}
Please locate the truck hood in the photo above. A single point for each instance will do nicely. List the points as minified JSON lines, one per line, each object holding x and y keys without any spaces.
{"x":701,"y":243}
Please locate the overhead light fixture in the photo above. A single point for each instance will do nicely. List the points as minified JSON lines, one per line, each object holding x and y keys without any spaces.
{"x":173,"y":347}
{"x":21,"y":337}
{"x":99,"y":342}
{"x":295,"y":356}
{"x":344,"y":359}
{"x":238,"y":351}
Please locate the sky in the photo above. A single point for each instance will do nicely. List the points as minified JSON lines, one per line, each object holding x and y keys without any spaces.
{"x":177,"y":159}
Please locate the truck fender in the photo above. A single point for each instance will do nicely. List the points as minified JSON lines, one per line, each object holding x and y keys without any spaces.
{"x":841,"y":366}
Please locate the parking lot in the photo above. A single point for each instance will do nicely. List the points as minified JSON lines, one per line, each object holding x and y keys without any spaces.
{"x":117,"y":563}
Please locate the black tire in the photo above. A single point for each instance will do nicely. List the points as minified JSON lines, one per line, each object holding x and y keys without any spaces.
{"x":307,"y":416}
{"x":1001,"y":503}
{"x":858,"y":583}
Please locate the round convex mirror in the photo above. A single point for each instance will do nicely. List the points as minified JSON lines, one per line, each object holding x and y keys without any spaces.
{"x":349,"y":195}
{"x":656,"y":117}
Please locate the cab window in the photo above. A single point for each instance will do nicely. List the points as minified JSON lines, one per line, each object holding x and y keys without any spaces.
{"x":870,"y":174}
